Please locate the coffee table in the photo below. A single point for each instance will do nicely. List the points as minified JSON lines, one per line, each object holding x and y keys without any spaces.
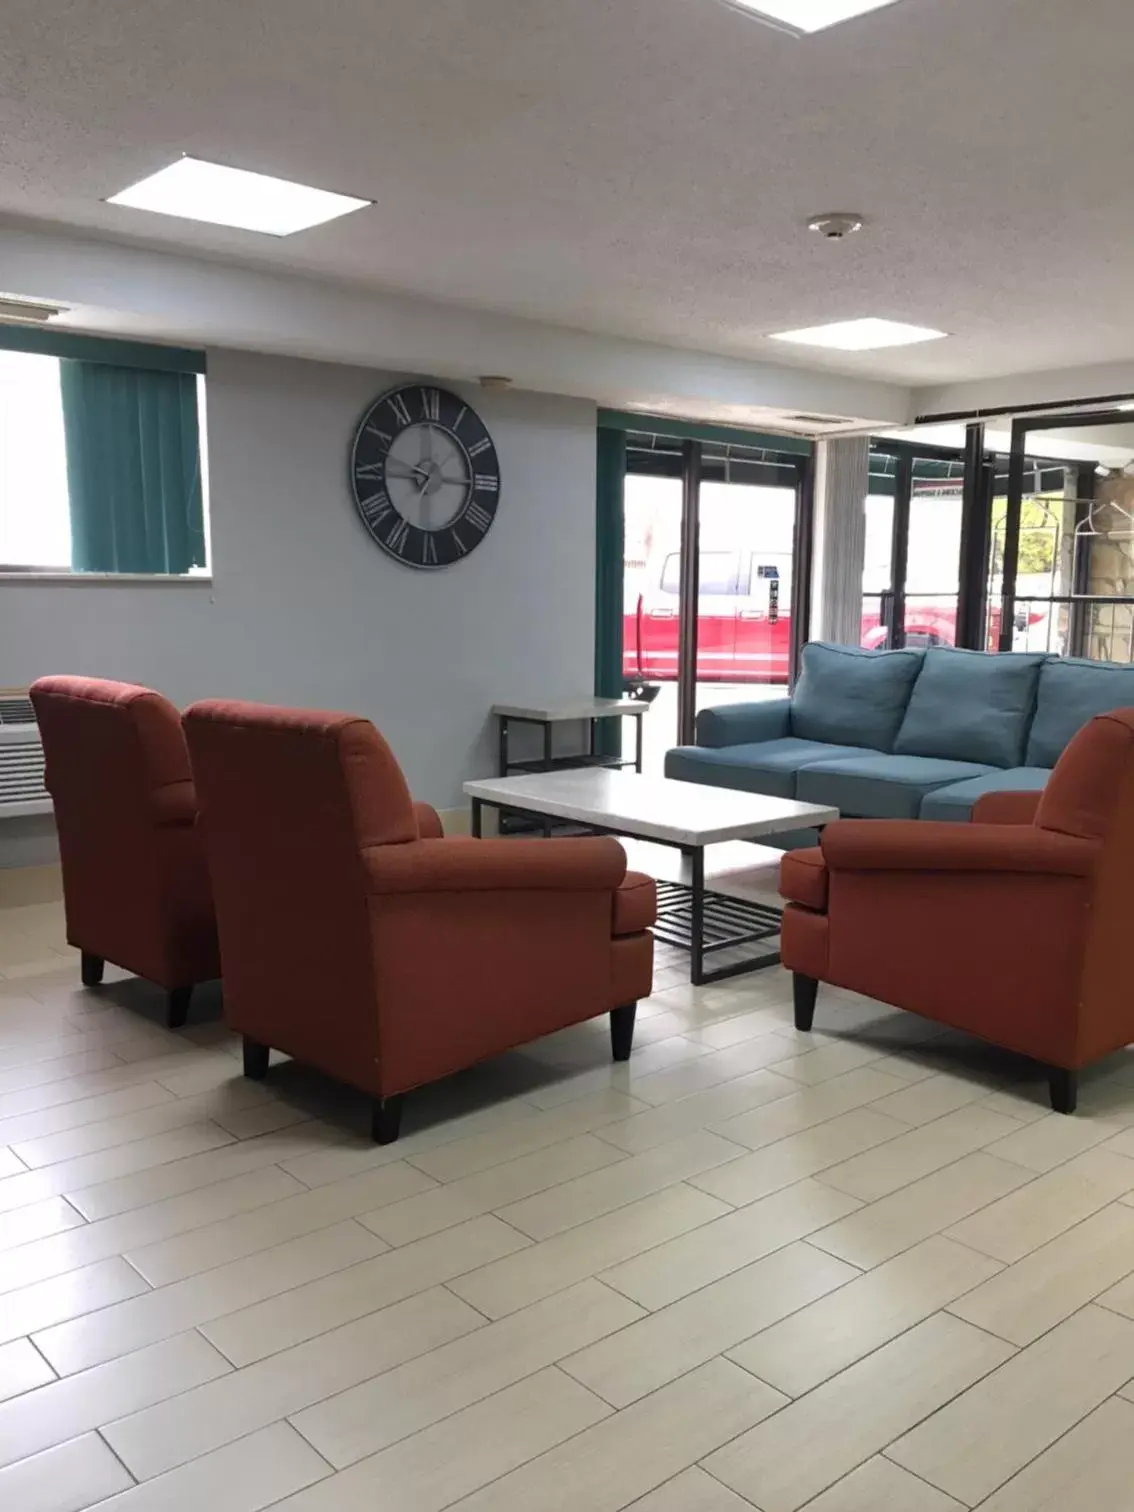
{"x":684,"y":815}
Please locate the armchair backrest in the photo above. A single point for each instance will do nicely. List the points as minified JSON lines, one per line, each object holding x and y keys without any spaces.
{"x":289,"y":800}
{"x":116,"y":768}
{"x":1091,"y":795}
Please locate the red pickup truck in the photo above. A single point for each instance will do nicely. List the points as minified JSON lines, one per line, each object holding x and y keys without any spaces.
{"x":744,"y":621}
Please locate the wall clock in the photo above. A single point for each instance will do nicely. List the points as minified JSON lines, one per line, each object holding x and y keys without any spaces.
{"x":424,"y":475}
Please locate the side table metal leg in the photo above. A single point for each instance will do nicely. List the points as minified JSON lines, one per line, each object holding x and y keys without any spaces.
{"x":640,"y":722}
{"x":548,"y":730}
{"x":697,"y":917}
{"x":503,"y":759}
{"x":475,"y":818}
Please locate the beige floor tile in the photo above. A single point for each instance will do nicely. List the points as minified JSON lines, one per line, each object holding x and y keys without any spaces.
{"x":808,"y":1107}
{"x":723,"y":1033}
{"x":107,"y":1133}
{"x":823,"y":1436}
{"x":39,"y":1220}
{"x":679,"y":1266}
{"x":1092,"y":1467}
{"x":692,"y":1491}
{"x":815,"y":1066}
{"x":233,"y":1158}
{"x":465,"y":1157}
{"x":60,"y":1068}
{"x":247,"y":1476}
{"x":65,"y":1479}
{"x":72,"y":1176}
{"x":45,"y":1303}
{"x":931,"y":1097}
{"x":1047,"y":1142}
{"x":22,"y":1368}
{"x":370,"y":1417}
{"x":10,"y":1164}
{"x":455,"y":1457}
{"x":267,"y":1327}
{"x":1048,"y":1206}
{"x":688,"y":1333}
{"x":919,"y":1153}
{"x":879,"y":1486}
{"x":574,"y":1202}
{"x":713,"y":1068}
{"x":817,"y":1342}
{"x":988,"y":1434}
{"x":639,"y":1449}
{"x":62,"y":1410}
{"x":130,"y":1325}
{"x":300,"y":1212}
{"x":25,"y":1127}
{"x":627,"y":1076}
{"x":160,"y":1438}
{"x":800,"y":1155}
{"x":1051,"y":1283}
{"x":458,"y":1201}
{"x":267,"y":1118}
{"x":671,"y":1120}
{"x":113,"y":1236}
{"x":898,"y":1222}
{"x":542,"y":1269}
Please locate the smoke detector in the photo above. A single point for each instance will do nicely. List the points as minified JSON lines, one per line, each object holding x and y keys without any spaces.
{"x":494,"y":381}
{"x":838,"y":225}
{"x":13,"y":307}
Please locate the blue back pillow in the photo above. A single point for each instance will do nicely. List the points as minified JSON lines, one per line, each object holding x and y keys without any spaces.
{"x":846,"y":696}
{"x":1071,"y":693}
{"x":970,"y":706}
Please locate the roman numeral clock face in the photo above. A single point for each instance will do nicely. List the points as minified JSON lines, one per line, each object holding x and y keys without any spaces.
{"x":425,"y":476}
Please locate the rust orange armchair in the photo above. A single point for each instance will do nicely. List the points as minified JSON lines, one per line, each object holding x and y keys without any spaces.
{"x":135,"y":883}
{"x":1015,"y":928}
{"x":357,"y":939}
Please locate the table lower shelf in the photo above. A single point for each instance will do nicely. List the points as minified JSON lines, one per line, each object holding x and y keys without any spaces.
{"x":727,"y":924}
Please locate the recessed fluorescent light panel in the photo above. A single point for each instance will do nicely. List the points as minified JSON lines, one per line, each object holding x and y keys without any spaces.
{"x":200,"y":191}
{"x":861,"y":335}
{"x":808,"y":15}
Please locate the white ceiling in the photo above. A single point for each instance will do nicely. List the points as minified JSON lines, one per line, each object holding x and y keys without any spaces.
{"x":640,"y":168}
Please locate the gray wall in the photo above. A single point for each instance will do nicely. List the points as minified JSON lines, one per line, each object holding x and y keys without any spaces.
{"x":304,"y":608}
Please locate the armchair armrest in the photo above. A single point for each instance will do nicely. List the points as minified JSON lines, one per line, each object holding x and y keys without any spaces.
{"x":744,"y":724}
{"x":462,"y":865}
{"x":923,"y":846}
{"x":429,"y":826}
{"x":1006,"y":808}
{"x":173,"y":804}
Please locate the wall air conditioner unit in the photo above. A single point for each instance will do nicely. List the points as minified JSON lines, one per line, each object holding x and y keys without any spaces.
{"x":21,"y":758}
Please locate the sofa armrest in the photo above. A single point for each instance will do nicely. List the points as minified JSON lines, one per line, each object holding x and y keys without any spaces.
{"x":744,"y":724}
{"x":924,"y":846}
{"x":429,"y":826}
{"x":462,"y":865}
{"x":1006,"y":808}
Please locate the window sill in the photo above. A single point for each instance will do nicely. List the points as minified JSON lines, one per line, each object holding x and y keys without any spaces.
{"x":105,"y":579}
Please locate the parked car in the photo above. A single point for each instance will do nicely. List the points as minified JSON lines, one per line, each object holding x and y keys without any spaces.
{"x":744,"y":620}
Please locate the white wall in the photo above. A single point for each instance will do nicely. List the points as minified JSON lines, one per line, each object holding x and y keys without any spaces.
{"x":305,"y":609}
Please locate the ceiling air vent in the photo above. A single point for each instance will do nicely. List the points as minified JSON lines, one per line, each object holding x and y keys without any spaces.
{"x":27,"y":311}
{"x":812,"y":420}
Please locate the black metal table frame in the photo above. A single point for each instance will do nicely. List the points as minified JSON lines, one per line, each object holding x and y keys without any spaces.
{"x":716,"y":921}
{"x":588,"y":757}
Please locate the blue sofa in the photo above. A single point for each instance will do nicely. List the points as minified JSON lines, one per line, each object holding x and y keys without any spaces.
{"x":904,"y":734}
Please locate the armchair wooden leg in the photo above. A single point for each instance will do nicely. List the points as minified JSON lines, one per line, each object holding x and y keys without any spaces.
{"x":1064,"y":1089}
{"x":177,"y":1007}
{"x":387,"y":1119}
{"x":255,"y":1060}
{"x":804,"y":991}
{"x":622,"y":1031}
{"x":91,"y":968}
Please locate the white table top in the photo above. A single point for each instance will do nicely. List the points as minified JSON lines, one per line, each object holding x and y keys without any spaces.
{"x":573,"y":708}
{"x":651,"y":808}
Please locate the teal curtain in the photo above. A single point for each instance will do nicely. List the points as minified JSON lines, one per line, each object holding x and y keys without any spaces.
{"x":133,"y":468}
{"x":610,"y":532}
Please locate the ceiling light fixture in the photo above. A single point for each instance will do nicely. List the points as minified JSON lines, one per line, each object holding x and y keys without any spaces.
{"x":860,"y":335}
{"x":196,"y":190}
{"x":803,"y":16}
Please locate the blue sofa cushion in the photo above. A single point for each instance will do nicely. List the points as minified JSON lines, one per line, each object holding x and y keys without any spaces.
{"x":1071,"y":692}
{"x":969,"y":706}
{"x":769,"y":767}
{"x":744,"y":724}
{"x":846,"y":696}
{"x":955,"y":804}
{"x":874,"y":786}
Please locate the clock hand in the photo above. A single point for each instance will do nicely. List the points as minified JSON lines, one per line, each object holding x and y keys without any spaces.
{"x":407,"y":469}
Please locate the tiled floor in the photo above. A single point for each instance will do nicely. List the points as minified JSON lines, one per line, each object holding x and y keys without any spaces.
{"x":859,"y":1271}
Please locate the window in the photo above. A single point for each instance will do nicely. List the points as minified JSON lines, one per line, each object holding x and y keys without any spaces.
{"x":718,"y":572}
{"x":100,"y":466}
